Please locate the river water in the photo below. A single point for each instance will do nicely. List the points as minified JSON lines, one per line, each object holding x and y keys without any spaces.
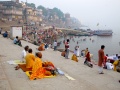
{"x":112,"y":45}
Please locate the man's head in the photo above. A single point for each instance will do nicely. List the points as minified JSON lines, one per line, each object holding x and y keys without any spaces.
{"x":118,"y":57}
{"x":39,"y":54}
{"x":67,"y":40}
{"x":108,"y":60}
{"x":26,"y":48}
{"x":102,"y":46}
{"x":17,"y":37}
{"x":30,"y":50}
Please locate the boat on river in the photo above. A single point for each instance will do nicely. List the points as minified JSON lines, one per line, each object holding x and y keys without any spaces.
{"x":103,"y":32}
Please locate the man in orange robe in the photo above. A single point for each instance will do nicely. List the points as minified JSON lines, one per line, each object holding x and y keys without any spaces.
{"x":101,"y":59}
{"x":30,"y":59}
{"x":37,"y":70}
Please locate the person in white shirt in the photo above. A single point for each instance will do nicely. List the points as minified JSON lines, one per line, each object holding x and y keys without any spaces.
{"x":75,"y":51}
{"x":78,"y":51}
{"x":109,"y":65}
{"x":55,"y":45}
{"x":24,"y":52}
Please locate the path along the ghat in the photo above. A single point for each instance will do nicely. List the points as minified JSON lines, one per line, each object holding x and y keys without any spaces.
{"x":86,"y":78}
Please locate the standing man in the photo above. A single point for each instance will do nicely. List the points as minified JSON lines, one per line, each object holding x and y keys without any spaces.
{"x":55,"y":45}
{"x":67,"y":49}
{"x":101,"y":59}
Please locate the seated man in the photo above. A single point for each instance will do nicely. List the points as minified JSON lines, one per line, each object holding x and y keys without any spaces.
{"x":117,"y":64}
{"x":24,"y":52}
{"x":105,"y":60}
{"x":74,"y":57}
{"x":30,"y":59}
{"x":5,"y":35}
{"x":109,"y":65}
{"x":88,"y":60}
{"x":41,"y":69}
{"x":41,"y":47}
{"x":17,"y":41}
{"x":37,"y":70}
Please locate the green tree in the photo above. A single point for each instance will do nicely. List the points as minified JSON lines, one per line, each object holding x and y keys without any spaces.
{"x":59,"y":13}
{"x":32,"y":5}
{"x":44,"y":10}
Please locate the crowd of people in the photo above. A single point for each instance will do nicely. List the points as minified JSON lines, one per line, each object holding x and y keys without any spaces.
{"x":40,"y":68}
{"x":43,"y":35}
{"x":103,"y":60}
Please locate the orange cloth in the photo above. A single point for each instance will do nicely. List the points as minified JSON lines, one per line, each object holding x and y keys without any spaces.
{"x":41,"y":47}
{"x":30,"y":59}
{"x":63,"y":54}
{"x":74,"y":58}
{"x":101,"y":57}
{"x":37,"y":70}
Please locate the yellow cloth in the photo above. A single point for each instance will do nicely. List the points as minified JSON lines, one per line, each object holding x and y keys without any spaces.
{"x":37,"y":70}
{"x":30,"y":59}
{"x":28,"y":74}
{"x":37,"y":64}
{"x":115,"y":64}
{"x":74,"y":58}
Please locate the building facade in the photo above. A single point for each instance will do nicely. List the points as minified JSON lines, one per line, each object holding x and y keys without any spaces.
{"x":11,"y":10}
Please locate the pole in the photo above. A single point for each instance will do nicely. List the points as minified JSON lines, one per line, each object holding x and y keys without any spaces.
{"x":26,"y":15}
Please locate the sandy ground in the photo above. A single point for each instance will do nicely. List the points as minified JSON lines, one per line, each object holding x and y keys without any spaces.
{"x":85,"y":78}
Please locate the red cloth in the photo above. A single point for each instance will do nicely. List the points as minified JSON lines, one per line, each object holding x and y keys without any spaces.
{"x":66,"y":45}
{"x":88,"y":57}
{"x":105,"y":60}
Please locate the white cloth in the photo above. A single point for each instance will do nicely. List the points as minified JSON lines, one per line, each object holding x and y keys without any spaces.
{"x":75,"y":52}
{"x":23,"y":55}
{"x":109,"y":66}
{"x":100,"y":69}
{"x":55,"y":43}
{"x":78,"y":52}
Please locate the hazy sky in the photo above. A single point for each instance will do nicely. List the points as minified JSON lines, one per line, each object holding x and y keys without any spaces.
{"x":89,"y":12}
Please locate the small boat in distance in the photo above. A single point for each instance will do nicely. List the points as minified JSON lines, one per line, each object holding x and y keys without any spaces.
{"x":103,"y":32}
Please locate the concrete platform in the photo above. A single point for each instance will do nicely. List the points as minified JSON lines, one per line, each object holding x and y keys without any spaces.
{"x":85,"y":78}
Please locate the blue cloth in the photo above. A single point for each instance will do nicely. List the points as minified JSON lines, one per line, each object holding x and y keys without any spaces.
{"x":5,"y":35}
{"x":15,"y":41}
{"x":46,"y":46}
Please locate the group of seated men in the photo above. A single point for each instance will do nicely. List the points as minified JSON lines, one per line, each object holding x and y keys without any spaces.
{"x":34,"y":62}
{"x":112,"y":65}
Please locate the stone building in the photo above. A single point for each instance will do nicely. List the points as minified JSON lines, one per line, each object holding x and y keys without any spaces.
{"x":67,"y":20}
{"x":11,"y":10}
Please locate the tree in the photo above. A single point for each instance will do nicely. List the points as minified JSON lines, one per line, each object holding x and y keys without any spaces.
{"x":44,"y":10}
{"x":32,"y":5}
{"x":59,"y":13}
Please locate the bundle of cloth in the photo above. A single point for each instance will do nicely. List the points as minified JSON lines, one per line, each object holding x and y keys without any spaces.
{"x":41,"y":47}
{"x":74,"y":58}
{"x":63,"y":54}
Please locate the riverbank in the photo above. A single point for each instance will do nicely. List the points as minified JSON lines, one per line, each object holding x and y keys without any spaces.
{"x":85,"y":78}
